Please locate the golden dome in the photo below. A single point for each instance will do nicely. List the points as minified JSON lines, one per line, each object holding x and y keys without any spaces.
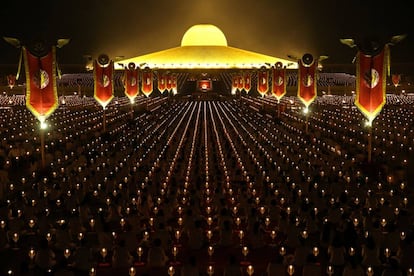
{"x":204,"y":35}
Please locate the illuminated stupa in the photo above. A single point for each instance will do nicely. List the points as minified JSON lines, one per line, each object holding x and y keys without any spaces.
{"x":204,"y":46}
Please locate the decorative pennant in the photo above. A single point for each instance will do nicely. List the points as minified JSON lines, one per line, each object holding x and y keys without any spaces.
{"x":371,"y":82}
{"x":11,"y":81}
{"x":131,"y":81}
{"x":279,"y":81}
{"x":41,"y":89}
{"x":307,"y":90}
{"x":168,"y":82}
{"x":240,"y":82}
{"x":262,"y":82}
{"x":396,"y":78}
{"x":247,"y":81}
{"x":234,"y":84}
{"x":103,"y":80}
{"x":147,"y":82}
{"x":161,"y":85}
{"x":174,"y":84}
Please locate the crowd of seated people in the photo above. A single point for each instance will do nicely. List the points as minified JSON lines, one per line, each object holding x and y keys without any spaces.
{"x":206,"y":188}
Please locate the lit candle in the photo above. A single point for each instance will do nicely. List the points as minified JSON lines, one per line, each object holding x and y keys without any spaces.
{"x":370,"y":271}
{"x":210,"y":250}
{"x":210,"y":270}
{"x":132,"y":271}
{"x":291,"y":270}
{"x":32,"y":253}
{"x":250,"y":270}
{"x":66,"y":253}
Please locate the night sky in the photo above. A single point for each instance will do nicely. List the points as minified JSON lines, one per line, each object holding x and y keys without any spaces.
{"x":275,"y":27}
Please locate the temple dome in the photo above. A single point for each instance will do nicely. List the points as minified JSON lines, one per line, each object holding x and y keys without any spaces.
{"x":204,"y":35}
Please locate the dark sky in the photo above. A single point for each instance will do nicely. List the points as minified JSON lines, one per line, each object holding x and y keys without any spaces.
{"x":274,"y":27}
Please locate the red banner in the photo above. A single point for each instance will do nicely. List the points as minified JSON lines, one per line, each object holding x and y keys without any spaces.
{"x":131,"y":81}
{"x":169,"y":82}
{"x":247,"y":82}
{"x":234,"y":84}
{"x":162,"y":78}
{"x":396,"y":78}
{"x":41,"y":89}
{"x":240,"y":82}
{"x":11,"y":81}
{"x":307,"y":82}
{"x":278,"y":82}
{"x":103,"y":82}
{"x":262,"y":82}
{"x":147,"y":83}
{"x":174,"y":83}
{"x":371,"y":83}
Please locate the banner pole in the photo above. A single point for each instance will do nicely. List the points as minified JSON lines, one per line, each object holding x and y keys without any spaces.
{"x":104,"y":119}
{"x":307,"y":123}
{"x":278,"y":108}
{"x":42,"y":147}
{"x":369,"y":144}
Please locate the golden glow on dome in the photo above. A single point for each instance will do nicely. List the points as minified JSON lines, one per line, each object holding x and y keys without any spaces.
{"x":204,"y":46}
{"x":204,"y":35}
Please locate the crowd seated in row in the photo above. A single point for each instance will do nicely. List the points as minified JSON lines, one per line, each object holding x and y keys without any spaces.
{"x":206,"y":188}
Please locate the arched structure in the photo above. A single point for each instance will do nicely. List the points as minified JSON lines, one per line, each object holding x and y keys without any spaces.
{"x":204,"y":46}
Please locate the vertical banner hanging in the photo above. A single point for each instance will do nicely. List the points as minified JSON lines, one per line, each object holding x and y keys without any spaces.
{"x":174,"y":84}
{"x":103,"y":80}
{"x":168,"y":82}
{"x":161,"y":85}
{"x":278,"y":81}
{"x":41,"y":89}
{"x":240,"y":82}
{"x":234,"y":84}
{"x":11,"y":81}
{"x":131,"y":81}
{"x":307,"y":90}
{"x":371,"y":82}
{"x":247,"y":81}
{"x":396,"y":78}
{"x":262,"y":81}
{"x":147,"y":82}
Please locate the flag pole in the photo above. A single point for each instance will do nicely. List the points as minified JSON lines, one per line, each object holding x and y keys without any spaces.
{"x":104,"y":119}
{"x":42,"y":147}
{"x":369,"y":144}
{"x":278,"y":108}
{"x":307,"y":123}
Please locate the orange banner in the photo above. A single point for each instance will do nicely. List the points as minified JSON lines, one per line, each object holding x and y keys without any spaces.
{"x":307,"y":82}
{"x":162,"y":82}
{"x":11,"y":81}
{"x":41,"y":89}
{"x":278,"y":82}
{"x":147,"y":82}
{"x":262,"y":82}
{"x":396,"y":78}
{"x":174,"y":83}
{"x":371,"y":83}
{"x":234,"y":84}
{"x":103,"y":82}
{"x":247,"y":82}
{"x":240,"y":82}
{"x":131,"y":81}
{"x":168,"y":82}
